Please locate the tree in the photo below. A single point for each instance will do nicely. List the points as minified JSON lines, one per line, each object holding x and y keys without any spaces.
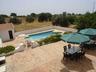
{"x":15,"y":20}
{"x":33,"y":15}
{"x":87,"y":20}
{"x":44,"y":17}
{"x":64,"y":14}
{"x":61,"y":20}
{"x":64,"y":22}
{"x":13,"y":14}
{"x":71,"y":19}
{"x":5,"y":16}
{"x":49,"y":16}
{"x":29,"y":18}
{"x":2,"y":19}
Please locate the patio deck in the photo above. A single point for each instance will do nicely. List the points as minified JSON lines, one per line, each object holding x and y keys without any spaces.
{"x":48,"y":58}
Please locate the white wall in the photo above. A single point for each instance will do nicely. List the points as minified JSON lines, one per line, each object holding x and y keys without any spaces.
{"x":0,"y":42}
{"x":5,"y":35}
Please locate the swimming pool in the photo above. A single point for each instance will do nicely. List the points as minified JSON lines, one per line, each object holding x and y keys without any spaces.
{"x":39,"y":36}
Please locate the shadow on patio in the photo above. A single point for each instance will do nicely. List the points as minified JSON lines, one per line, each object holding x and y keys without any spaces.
{"x":91,"y":52}
{"x":83,"y":65}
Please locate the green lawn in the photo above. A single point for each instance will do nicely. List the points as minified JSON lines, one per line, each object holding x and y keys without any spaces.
{"x":35,"y":24}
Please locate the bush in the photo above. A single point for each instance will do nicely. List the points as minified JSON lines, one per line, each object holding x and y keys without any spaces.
{"x":29,"y":19}
{"x":7,"y":49}
{"x":15,"y":20}
{"x":51,"y":39}
{"x":61,"y":20}
{"x":1,"y":50}
{"x":2,"y":19}
{"x":67,"y":32}
{"x":44,"y":17}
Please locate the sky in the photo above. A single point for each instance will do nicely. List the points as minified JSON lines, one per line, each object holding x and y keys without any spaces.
{"x":25,"y":7}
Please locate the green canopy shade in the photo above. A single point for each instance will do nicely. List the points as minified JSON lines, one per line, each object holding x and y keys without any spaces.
{"x":88,"y":31}
{"x":75,"y":38}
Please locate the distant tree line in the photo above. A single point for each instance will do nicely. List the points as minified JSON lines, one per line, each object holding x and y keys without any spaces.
{"x":65,"y":19}
{"x":14,"y":19}
{"x":2,"y":19}
{"x":87,"y":20}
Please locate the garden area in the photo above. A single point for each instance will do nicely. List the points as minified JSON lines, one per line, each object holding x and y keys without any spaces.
{"x":6,"y":50}
{"x":51,"y":39}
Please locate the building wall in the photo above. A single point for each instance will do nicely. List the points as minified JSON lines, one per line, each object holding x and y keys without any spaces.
{"x":0,"y":42}
{"x":5,"y":35}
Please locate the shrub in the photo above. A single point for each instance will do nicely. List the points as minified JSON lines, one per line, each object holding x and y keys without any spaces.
{"x":1,"y":50}
{"x":44,"y":17}
{"x":40,"y":42}
{"x":67,"y":32}
{"x":29,"y":19}
{"x":2,"y":19}
{"x":7,"y":49}
{"x":15,"y":20}
{"x":50,"y":39}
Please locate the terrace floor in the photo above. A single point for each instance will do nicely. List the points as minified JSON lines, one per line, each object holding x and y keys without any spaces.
{"x":48,"y":58}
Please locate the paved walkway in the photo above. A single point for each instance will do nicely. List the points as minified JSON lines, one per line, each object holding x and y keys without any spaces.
{"x":48,"y":58}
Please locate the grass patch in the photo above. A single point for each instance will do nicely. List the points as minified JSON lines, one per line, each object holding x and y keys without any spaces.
{"x":35,"y":24}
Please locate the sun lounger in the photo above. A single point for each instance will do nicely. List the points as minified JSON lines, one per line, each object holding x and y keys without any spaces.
{"x":20,"y":47}
{"x":2,"y":64}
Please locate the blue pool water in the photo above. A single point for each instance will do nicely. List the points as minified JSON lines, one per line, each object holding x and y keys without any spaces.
{"x":39,"y":36}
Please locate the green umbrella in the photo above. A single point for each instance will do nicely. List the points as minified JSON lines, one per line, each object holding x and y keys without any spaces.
{"x":88,"y":31}
{"x":75,"y":38}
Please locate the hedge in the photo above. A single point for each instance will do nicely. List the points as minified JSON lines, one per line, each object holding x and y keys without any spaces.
{"x":7,"y":49}
{"x":51,"y":39}
{"x":67,"y":32}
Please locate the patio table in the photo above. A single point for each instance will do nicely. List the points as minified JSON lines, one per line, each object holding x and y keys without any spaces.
{"x":73,"y":50}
